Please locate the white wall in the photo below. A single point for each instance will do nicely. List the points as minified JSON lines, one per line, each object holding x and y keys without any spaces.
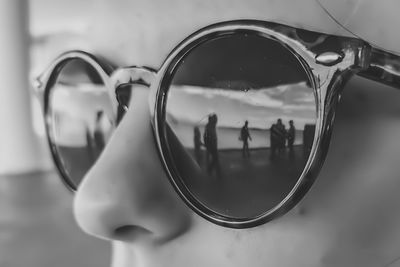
{"x":20,"y":149}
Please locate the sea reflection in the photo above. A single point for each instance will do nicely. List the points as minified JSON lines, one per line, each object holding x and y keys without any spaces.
{"x":251,"y":153}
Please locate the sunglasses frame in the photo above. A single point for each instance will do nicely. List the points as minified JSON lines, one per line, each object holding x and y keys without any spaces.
{"x":328,"y":60}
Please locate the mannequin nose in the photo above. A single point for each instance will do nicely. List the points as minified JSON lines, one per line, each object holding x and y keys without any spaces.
{"x":126,"y":194}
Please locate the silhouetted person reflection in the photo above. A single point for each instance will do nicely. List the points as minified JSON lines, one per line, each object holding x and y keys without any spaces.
{"x":197,"y":144}
{"x":291,"y":135}
{"x":89,"y":144}
{"x":98,"y":135}
{"x":211,"y":144}
{"x":277,"y":138}
{"x":244,"y":137}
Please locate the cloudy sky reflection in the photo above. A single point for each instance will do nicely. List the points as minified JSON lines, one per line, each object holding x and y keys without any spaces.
{"x":190,"y":104}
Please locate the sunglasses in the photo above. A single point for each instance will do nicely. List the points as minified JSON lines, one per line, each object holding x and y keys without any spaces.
{"x":242,"y":113}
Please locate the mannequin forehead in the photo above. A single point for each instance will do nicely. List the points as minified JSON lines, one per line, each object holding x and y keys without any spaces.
{"x":373,"y":21}
{"x":143,"y":32}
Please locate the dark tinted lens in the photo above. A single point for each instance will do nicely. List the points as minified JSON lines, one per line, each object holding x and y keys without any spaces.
{"x":81,"y":118}
{"x":241,"y":117}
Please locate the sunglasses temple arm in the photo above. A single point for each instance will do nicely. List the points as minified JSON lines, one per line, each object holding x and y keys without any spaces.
{"x":384,"y":67}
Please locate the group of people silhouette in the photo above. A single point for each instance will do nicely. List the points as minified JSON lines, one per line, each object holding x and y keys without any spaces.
{"x":280,"y":138}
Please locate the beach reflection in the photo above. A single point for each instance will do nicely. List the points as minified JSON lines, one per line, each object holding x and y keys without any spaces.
{"x":81,"y":115}
{"x":244,"y":164}
{"x":248,"y":128}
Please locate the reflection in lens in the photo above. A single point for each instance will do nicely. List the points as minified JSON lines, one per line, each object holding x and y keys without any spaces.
{"x":124,"y":94}
{"x":244,"y":112}
{"x":81,"y":118}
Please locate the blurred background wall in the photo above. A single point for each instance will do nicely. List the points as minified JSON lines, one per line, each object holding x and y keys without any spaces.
{"x":18,"y":142}
{"x":37,"y":227}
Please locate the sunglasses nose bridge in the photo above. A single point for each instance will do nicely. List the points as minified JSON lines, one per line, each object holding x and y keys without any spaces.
{"x":130,"y":76}
{"x":133,"y":75}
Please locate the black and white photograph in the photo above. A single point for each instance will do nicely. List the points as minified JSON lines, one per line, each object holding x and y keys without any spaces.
{"x":198,"y":133}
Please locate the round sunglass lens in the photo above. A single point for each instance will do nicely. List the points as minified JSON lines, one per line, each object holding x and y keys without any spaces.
{"x":80,"y":119}
{"x":240,"y":118}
